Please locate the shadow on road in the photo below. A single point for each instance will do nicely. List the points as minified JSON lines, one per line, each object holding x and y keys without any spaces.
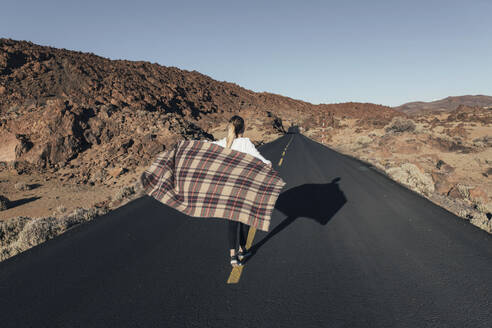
{"x":315,"y":201}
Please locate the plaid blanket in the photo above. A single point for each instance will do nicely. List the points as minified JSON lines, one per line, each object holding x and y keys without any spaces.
{"x":202,"y":179}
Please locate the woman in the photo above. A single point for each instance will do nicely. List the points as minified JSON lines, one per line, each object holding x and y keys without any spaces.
{"x":236,"y":141}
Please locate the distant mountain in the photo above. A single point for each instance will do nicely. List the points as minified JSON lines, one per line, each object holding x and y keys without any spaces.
{"x":447,"y":104}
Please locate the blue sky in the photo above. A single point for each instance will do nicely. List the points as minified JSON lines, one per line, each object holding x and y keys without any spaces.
{"x":384,"y":52}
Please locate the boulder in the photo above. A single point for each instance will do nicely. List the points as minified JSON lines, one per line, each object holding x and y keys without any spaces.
{"x":4,"y":203}
{"x":117,"y":171}
{"x":37,"y":155}
{"x":441,"y":183}
{"x":459,"y":191}
{"x":443,"y":167}
{"x":8,"y":146}
{"x":478,"y":194}
{"x":24,"y":146}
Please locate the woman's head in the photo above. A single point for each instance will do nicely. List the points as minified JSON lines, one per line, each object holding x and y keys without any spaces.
{"x":237,"y":123}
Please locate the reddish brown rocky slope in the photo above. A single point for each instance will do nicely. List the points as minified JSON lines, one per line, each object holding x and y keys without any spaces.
{"x":57,"y":104}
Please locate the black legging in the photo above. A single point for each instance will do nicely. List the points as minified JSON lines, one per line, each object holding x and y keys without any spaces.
{"x":234,"y":226}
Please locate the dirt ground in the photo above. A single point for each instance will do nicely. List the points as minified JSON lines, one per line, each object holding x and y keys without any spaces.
{"x":47,"y":194}
{"x":53,"y":190}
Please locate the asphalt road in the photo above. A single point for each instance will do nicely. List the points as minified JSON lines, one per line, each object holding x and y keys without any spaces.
{"x":348,"y":248}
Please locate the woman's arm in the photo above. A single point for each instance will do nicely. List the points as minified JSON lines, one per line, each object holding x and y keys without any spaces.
{"x":253,"y":151}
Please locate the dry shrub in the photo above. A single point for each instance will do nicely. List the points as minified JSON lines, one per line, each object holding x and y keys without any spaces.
{"x":124,"y":192}
{"x":363,"y":140}
{"x":484,"y":142}
{"x":463,"y":191}
{"x":482,"y":207}
{"x":421,"y":129}
{"x":10,"y":229}
{"x":400,"y":124}
{"x":139,"y":190}
{"x":21,"y":186}
{"x":21,"y":233}
{"x":482,"y":221}
{"x":37,"y":231}
{"x":411,"y":176}
{"x":60,"y":209}
{"x":80,"y":215}
{"x":98,"y":176}
{"x":465,"y":214}
{"x":476,"y":218}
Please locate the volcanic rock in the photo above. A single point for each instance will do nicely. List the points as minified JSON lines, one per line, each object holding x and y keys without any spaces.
{"x":4,"y":203}
{"x":479,"y":194}
{"x":117,"y":171}
{"x":441,"y":183}
{"x":8,"y":146}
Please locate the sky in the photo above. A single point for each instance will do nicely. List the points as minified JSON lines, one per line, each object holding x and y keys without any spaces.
{"x":386,"y":52}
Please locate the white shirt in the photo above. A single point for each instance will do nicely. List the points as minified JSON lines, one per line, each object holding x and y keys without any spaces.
{"x":243,"y":145}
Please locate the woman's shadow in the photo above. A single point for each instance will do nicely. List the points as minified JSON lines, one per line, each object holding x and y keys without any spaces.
{"x":315,"y":201}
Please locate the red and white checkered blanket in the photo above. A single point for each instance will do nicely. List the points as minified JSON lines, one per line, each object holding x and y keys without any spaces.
{"x":202,"y":179}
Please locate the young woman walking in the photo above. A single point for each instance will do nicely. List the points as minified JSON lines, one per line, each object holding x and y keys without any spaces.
{"x":235,"y":140}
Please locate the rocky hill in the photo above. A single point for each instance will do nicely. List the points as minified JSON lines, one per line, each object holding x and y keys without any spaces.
{"x":445,"y":105}
{"x":57,"y":104}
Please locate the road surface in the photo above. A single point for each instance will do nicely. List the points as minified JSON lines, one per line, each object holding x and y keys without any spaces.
{"x":347,"y":248}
